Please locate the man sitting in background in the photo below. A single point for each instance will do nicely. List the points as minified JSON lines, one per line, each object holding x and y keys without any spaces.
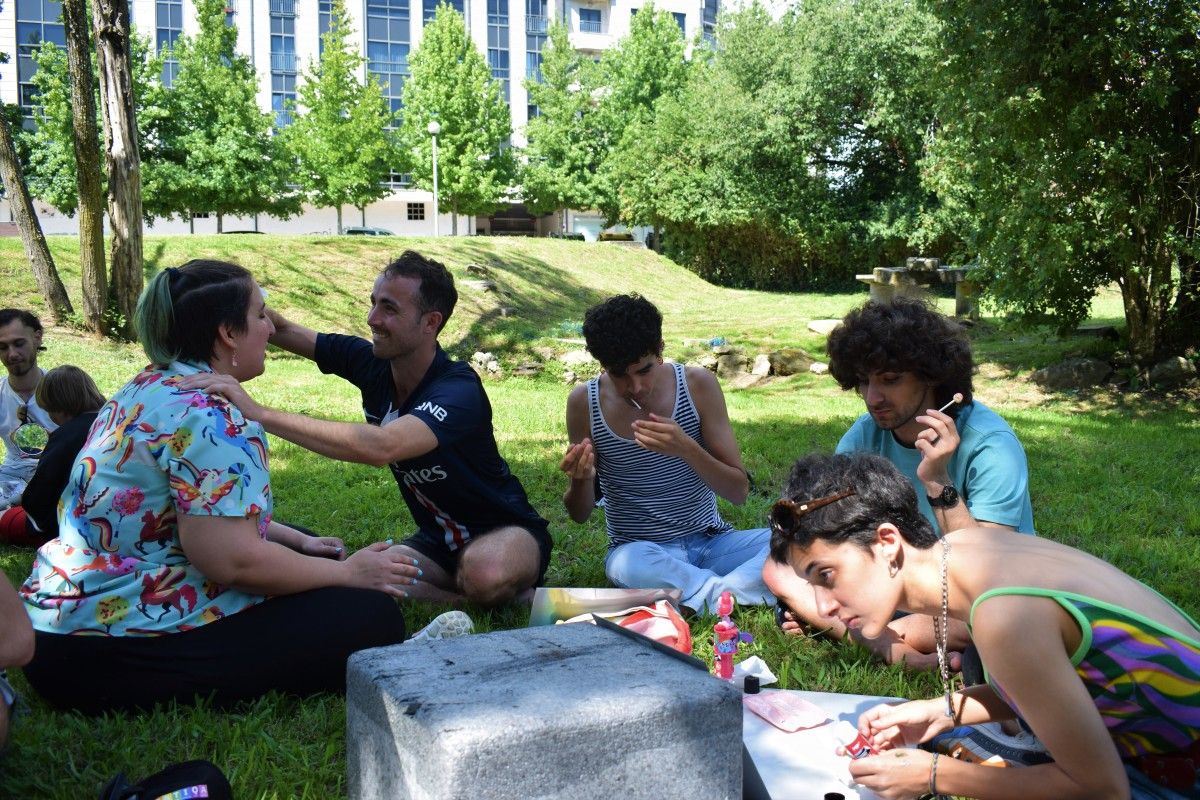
{"x":657,"y":435}
{"x":965,"y":463}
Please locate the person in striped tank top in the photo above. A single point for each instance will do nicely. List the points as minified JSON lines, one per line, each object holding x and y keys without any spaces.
{"x":651,"y":442}
{"x":1104,"y":670}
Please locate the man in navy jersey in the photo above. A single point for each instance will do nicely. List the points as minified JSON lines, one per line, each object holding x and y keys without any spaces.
{"x":429,"y":419}
{"x":656,"y":438}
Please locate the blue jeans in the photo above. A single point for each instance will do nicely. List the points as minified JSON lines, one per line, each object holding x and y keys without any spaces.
{"x":1142,"y":788}
{"x":700,"y":565}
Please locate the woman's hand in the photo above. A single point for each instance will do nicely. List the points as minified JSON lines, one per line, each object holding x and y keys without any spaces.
{"x":383,"y":569}
{"x":894,"y":775}
{"x":322,"y":547}
{"x":226,"y":386}
{"x":905,"y":725}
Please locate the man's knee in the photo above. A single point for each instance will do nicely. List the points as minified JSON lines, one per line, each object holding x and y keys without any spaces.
{"x":492,"y":571}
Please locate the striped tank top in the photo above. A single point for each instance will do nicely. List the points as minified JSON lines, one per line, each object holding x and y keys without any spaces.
{"x":649,"y":496}
{"x":1143,"y":677}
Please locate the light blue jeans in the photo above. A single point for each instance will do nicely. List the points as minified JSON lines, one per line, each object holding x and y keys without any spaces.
{"x":700,"y":565}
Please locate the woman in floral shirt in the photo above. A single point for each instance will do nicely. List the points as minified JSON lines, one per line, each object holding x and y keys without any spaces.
{"x":169,"y":579}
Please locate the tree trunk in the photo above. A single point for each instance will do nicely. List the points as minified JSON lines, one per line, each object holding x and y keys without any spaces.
{"x":453,"y":221}
{"x":58,"y":305}
{"x":87,"y":169}
{"x":111,"y":18}
{"x":220,"y":222}
{"x":339,"y":215}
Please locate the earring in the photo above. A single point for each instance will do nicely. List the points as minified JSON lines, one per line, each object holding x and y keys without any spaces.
{"x":233,"y":359}
{"x":893,"y":568}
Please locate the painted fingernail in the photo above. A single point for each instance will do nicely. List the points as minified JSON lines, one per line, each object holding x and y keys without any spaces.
{"x":415,"y":562}
{"x":387,"y":541}
{"x":414,"y":580}
{"x":420,"y":572}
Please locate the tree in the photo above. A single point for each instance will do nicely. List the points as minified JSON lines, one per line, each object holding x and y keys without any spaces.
{"x":87,"y":158}
{"x":44,"y":273}
{"x":218,"y":153}
{"x":563,"y":153}
{"x":341,"y":140}
{"x":1069,"y":156}
{"x":451,"y":83}
{"x":804,"y":167}
{"x":647,"y":64}
{"x":121,"y":157}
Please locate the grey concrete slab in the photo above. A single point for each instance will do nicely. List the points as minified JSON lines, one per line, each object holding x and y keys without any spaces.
{"x":564,"y":711}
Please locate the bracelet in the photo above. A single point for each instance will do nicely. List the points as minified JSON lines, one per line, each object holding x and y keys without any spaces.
{"x":933,"y":775}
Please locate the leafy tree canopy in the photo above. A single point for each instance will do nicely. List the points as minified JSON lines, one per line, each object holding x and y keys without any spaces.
{"x":452,"y":84}
{"x":1068,"y":156}
{"x":341,"y":137}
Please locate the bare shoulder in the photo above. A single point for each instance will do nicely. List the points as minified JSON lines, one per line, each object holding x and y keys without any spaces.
{"x":578,"y":396}
{"x":701,"y":380}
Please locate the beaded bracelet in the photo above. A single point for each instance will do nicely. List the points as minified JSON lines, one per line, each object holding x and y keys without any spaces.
{"x":933,"y":775}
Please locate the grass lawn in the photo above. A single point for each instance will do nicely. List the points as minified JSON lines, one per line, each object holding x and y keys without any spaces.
{"x":1115,"y":475}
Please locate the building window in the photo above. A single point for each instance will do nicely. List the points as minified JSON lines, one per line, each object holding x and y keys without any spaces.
{"x":709,"y":19}
{"x":37,"y":21}
{"x":429,"y":8}
{"x":283,"y":60}
{"x":387,"y":47}
{"x":498,"y":42}
{"x":230,"y":10}
{"x":168,"y":26}
{"x":416,"y":212}
{"x":681,"y":21}
{"x":324,"y":17}
{"x":589,"y":20}
{"x":398,"y":180}
{"x":535,"y":40}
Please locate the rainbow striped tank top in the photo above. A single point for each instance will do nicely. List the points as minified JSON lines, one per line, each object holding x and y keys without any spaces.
{"x":1143,"y":677}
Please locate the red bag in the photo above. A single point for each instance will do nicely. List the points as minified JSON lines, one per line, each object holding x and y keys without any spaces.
{"x":660,"y":622}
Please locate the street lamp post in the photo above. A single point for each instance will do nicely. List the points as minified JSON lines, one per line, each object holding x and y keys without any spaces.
{"x":434,"y":129}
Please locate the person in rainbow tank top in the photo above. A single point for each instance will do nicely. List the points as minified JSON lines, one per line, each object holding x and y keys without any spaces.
{"x":169,"y":579}
{"x":1104,"y":670}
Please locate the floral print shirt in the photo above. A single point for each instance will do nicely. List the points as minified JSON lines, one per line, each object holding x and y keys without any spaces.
{"x":154,"y":452}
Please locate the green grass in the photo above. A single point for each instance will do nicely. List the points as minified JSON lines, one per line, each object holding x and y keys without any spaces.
{"x":1115,"y":475}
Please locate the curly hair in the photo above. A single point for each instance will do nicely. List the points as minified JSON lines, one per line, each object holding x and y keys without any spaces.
{"x":879,"y":493}
{"x":904,"y":335}
{"x":622,"y":330}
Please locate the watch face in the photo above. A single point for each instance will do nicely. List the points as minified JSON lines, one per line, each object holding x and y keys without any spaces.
{"x":949,"y":496}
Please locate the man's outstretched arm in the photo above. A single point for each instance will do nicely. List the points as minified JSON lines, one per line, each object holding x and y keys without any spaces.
{"x":291,"y":336}
{"x":399,"y":440}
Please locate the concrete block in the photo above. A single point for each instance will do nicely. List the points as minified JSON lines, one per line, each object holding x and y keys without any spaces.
{"x":563,"y":711}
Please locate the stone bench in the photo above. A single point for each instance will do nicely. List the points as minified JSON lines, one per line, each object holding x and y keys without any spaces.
{"x":563,"y":711}
{"x":888,"y":282}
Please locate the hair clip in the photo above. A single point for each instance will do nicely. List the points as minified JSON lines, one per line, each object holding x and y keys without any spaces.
{"x":785,"y":514}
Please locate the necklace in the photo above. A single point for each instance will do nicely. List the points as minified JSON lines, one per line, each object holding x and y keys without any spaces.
{"x":941,"y":629}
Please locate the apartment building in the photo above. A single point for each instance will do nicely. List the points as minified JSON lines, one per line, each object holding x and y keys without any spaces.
{"x":280,"y":37}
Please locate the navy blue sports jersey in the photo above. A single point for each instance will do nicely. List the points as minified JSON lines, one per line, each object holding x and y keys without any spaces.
{"x":461,"y":488}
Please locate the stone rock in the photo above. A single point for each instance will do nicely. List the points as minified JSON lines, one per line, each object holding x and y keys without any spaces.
{"x":1074,"y":373}
{"x":1172,"y":372}
{"x":570,"y":378}
{"x":577,"y":358}
{"x":556,"y":712}
{"x":493,"y":367}
{"x":483,"y":286}
{"x":744,"y":380}
{"x":480,"y":358}
{"x":528,"y":369}
{"x":790,"y":361}
{"x":818,"y":368}
{"x":762,"y":365}
{"x":478,"y":269}
{"x":1098,"y":332}
{"x":824,"y":326}
{"x":708,"y":362}
{"x":507,"y":311}
{"x":1122,"y":359}
{"x":723,"y":349}
{"x":731,"y":364}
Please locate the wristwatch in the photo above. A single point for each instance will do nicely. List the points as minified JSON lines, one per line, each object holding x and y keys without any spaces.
{"x":947,"y":499}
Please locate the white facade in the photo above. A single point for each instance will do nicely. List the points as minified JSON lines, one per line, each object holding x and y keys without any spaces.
{"x":282,"y":37}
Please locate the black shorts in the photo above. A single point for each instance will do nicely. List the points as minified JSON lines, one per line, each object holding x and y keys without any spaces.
{"x":433,"y":547}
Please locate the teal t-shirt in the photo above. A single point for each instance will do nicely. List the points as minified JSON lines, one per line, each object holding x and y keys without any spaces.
{"x":988,"y":469}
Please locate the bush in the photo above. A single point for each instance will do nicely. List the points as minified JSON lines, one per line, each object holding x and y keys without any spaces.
{"x":573,"y":236}
{"x":612,"y":236}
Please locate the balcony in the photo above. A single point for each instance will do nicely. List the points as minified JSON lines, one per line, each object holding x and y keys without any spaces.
{"x":283,"y":62}
{"x":591,"y":41}
{"x":536,"y":24}
{"x":282,"y":8}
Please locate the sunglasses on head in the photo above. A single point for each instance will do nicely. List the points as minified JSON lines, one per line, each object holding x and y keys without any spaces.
{"x":785,"y":514}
